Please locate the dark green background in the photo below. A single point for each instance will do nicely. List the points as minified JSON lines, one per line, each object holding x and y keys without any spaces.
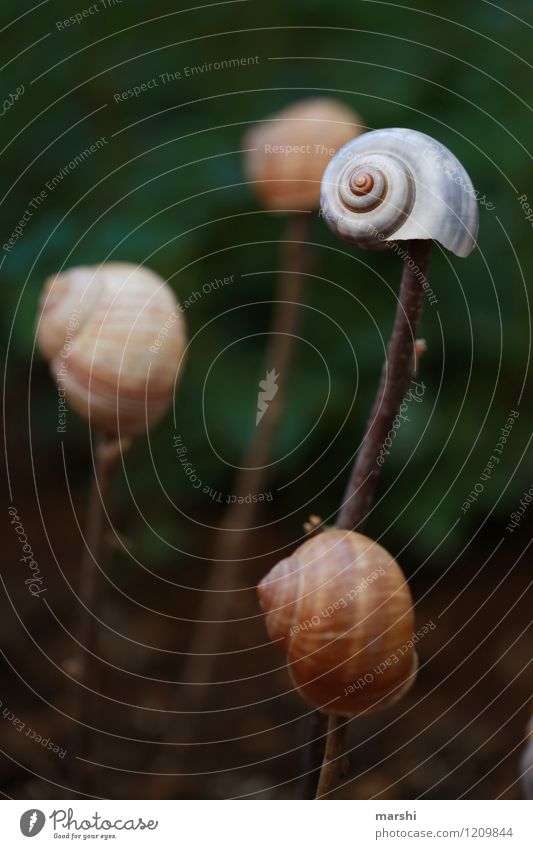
{"x":168,"y":190}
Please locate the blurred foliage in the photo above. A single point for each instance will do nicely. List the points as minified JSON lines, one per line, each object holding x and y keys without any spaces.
{"x":167,"y":190}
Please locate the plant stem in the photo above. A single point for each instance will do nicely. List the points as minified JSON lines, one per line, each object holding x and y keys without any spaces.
{"x":398,"y":370}
{"x":335,"y":761}
{"x":231,"y":539}
{"x":107,"y":452}
{"x":316,"y":725}
{"x":396,"y":375}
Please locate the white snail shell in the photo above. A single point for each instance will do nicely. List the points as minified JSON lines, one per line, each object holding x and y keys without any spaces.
{"x":115,"y":337}
{"x":397,"y":184}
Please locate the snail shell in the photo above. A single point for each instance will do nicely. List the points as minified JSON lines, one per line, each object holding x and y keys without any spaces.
{"x":285,"y":156}
{"x":341,"y":610}
{"x":115,"y":337}
{"x":397,"y":184}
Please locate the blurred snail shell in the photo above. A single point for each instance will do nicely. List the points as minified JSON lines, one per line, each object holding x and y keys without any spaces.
{"x":285,"y":155}
{"x":115,"y":337}
{"x":397,"y":184}
{"x":341,"y":610}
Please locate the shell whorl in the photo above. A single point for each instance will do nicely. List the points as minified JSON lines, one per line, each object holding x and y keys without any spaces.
{"x":115,"y":337}
{"x":398,"y":184}
{"x":340,"y":609}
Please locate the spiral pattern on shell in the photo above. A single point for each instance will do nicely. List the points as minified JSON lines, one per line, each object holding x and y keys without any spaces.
{"x":115,"y":338}
{"x":341,"y":610}
{"x":285,"y":156}
{"x":397,"y":184}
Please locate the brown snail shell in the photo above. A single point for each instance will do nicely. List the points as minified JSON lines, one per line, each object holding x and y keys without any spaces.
{"x":115,"y":337}
{"x":285,"y":156}
{"x":341,"y":610}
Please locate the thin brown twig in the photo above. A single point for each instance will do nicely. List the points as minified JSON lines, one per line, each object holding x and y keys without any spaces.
{"x":396,"y":375}
{"x":82,"y":683}
{"x":398,"y":371}
{"x":312,"y":755}
{"x":335,"y":762}
{"x":231,"y":540}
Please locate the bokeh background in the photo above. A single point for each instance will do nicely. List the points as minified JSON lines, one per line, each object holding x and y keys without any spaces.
{"x":167,"y":189}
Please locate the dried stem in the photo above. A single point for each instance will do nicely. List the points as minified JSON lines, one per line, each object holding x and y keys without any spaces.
{"x":107,"y":452}
{"x":224,"y":572}
{"x":398,"y":371}
{"x":315,"y":731}
{"x":335,"y":762}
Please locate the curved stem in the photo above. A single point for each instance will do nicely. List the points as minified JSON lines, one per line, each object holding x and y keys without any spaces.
{"x":224,"y":572}
{"x":398,"y":371}
{"x":230,"y":540}
{"x":107,"y":452}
